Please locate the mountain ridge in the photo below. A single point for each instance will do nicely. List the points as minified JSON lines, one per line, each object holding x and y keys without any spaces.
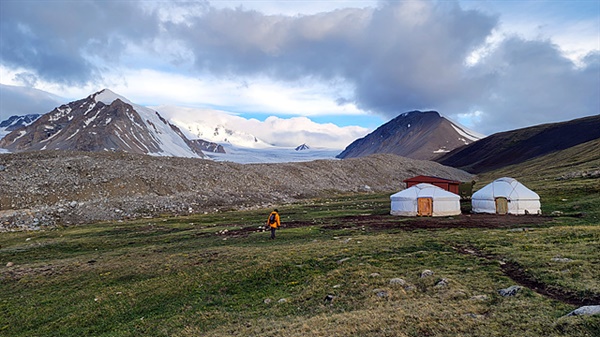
{"x":517,"y":146}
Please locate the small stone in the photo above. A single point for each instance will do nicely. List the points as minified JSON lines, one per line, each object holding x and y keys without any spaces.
{"x":10,"y":264}
{"x":282,"y":300}
{"x":561,"y":259}
{"x":475,"y":316}
{"x":329,"y":298}
{"x":374,"y":275}
{"x":267,"y":300}
{"x":397,"y":281}
{"x":441,"y":283}
{"x":426,"y":273}
{"x":510,"y":291}
{"x":382,"y":294}
{"x":343,"y":260}
{"x":587,"y":310}
{"x":479,"y":298}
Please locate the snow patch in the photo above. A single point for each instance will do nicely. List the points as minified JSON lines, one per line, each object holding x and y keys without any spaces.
{"x":107,"y":97}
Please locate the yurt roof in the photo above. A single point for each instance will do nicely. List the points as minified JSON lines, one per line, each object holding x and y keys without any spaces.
{"x":424,"y":190}
{"x":505,"y":187}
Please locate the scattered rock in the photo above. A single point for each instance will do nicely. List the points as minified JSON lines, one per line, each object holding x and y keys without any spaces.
{"x":374,"y":275}
{"x":89,"y":187}
{"x":510,"y":291}
{"x":343,"y":260}
{"x":479,"y":298}
{"x":475,"y":316}
{"x":267,"y":301}
{"x":282,"y":300}
{"x":397,"y":282}
{"x":10,"y":264}
{"x":381,"y":293}
{"x":587,"y":310}
{"x":441,"y":283}
{"x":426,"y":273}
{"x":561,"y":259}
{"x":329,"y":298}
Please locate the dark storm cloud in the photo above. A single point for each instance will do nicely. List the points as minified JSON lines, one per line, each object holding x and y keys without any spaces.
{"x":58,"y":40}
{"x":532,"y":83}
{"x":400,"y":56}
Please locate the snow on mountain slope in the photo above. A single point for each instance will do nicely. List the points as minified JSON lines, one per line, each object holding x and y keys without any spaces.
{"x":15,"y":122}
{"x":223,"y":127}
{"x":213,"y":125}
{"x":171,"y":140}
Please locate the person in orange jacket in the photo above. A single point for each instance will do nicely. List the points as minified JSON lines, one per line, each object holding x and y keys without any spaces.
{"x":273,"y":222}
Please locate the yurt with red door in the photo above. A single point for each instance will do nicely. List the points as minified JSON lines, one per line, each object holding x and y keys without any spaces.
{"x":425,"y":200}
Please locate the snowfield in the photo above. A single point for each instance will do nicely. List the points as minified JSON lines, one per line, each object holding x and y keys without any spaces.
{"x":243,"y":155}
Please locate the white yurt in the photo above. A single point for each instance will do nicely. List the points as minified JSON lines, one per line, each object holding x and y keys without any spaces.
{"x":425,"y":200}
{"x":505,"y":196}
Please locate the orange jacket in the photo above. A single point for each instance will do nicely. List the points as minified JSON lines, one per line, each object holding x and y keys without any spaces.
{"x":277,"y":222}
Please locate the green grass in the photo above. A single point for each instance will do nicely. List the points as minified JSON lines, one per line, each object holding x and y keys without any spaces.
{"x":180,"y":276}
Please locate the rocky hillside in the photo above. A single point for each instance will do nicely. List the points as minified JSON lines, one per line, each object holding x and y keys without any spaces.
{"x":417,"y":134}
{"x":46,"y":188}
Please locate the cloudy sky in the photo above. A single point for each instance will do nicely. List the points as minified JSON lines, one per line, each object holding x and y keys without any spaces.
{"x":490,"y":65}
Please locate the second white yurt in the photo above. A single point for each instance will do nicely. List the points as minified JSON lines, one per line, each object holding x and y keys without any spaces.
{"x":505,"y":196}
{"x":425,"y":200}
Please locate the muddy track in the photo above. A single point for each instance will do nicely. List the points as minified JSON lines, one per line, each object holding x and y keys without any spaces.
{"x":386,"y":222}
{"x":517,"y":273}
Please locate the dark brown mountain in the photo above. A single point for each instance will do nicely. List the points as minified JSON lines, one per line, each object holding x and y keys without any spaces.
{"x":416,"y":135}
{"x":103,"y":121}
{"x":517,"y":146}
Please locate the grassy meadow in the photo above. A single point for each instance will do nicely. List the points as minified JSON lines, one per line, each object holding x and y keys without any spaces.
{"x":325,"y":274}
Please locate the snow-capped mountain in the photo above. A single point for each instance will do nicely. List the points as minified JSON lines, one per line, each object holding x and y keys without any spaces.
{"x":417,"y":135}
{"x":212,"y":125}
{"x":103,"y":121}
{"x":15,"y":122}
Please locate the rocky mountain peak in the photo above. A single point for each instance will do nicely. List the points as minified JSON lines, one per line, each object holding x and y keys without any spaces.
{"x":416,"y":134}
{"x":302,"y":147}
{"x":104,"y":121}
